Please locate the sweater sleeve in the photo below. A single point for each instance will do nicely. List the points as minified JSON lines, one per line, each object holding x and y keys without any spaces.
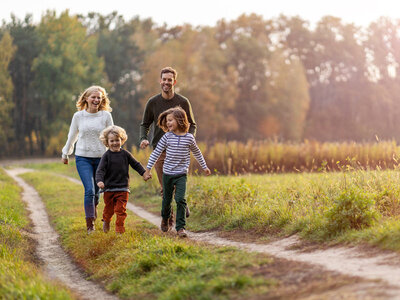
{"x":72,"y":137}
{"x":109,"y":121}
{"x":101,"y":169}
{"x":197,"y":154}
{"x":161,"y":146}
{"x":137,"y":166}
{"x":192,"y":122}
{"x":147,"y":120}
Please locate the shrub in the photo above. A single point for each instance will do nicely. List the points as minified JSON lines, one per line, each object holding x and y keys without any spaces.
{"x":351,"y":210}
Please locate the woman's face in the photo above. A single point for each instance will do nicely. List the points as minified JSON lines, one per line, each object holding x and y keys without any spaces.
{"x":94,"y":101}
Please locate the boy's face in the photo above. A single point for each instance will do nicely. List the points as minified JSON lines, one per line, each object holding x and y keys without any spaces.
{"x":114,"y":142}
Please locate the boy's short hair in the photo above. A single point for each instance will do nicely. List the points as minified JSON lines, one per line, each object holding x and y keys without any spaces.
{"x":179,"y":115}
{"x":115,"y":130}
{"x":169,"y":70}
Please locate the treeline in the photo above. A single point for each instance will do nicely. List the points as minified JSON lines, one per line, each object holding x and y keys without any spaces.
{"x":247,"y":79}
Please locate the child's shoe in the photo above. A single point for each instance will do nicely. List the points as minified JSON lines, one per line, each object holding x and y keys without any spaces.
{"x":164,"y":225}
{"x":182,"y":233}
{"x":89,"y":225}
{"x":106,"y":226}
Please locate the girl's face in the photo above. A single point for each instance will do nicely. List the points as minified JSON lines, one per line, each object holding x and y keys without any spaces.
{"x":172,"y":125}
{"x":114,"y":142}
{"x":94,"y":101}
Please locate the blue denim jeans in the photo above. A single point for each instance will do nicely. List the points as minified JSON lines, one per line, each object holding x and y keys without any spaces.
{"x":87,"y":167}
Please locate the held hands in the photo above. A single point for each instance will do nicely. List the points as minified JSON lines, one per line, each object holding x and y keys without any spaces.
{"x":100,"y":184}
{"x":147,"y":175}
{"x":144,"y":144}
{"x":207,"y":171}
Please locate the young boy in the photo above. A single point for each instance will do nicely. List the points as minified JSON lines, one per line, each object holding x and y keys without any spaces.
{"x":112,"y":176}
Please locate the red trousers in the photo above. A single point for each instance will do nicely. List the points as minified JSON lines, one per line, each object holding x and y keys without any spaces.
{"x":115,"y":203}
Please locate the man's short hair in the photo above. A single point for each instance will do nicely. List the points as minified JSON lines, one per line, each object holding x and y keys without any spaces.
{"x":169,"y":70}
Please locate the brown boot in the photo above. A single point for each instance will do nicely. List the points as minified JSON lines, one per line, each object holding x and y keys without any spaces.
{"x":182,"y":233}
{"x":106,"y":226}
{"x":89,"y":225}
{"x":164,"y":225}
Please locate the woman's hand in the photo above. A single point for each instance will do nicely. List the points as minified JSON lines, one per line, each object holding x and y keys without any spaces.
{"x":65,"y":161}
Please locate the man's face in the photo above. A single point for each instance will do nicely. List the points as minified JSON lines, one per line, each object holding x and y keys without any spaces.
{"x":167,"y":82}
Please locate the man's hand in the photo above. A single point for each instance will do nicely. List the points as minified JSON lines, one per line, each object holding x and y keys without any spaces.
{"x":144,"y":144}
{"x":65,"y":161}
{"x":100,"y":184}
{"x":207,"y":171}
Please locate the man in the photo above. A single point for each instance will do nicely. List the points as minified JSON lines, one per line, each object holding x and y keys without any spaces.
{"x":154,"y":107}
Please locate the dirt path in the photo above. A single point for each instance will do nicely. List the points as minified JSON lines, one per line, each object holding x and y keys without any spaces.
{"x":57,"y":263}
{"x":349,"y":261}
{"x":383,"y":269}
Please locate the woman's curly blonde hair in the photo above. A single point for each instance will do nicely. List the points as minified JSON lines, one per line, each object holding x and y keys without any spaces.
{"x":81,"y":104}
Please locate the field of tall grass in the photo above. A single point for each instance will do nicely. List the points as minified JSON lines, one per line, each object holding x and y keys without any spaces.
{"x":273,"y":157}
{"x":20,"y":276}
{"x":351,"y":206}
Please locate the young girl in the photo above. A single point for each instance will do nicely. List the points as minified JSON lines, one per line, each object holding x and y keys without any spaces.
{"x":112,"y":175}
{"x":92,"y":117}
{"x":178,"y":143}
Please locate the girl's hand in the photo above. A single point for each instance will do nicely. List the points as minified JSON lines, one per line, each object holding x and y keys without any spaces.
{"x":65,"y":161}
{"x":207,"y":171}
{"x":100,"y":184}
{"x":147,"y":175}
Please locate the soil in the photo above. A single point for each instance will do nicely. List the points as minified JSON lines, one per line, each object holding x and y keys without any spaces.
{"x":57,"y":263}
{"x":303,"y":270}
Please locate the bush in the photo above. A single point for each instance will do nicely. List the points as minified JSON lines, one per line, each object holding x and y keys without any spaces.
{"x":351,"y":210}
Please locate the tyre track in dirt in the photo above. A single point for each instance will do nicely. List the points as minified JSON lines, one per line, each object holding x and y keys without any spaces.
{"x":57,"y":263}
{"x":352,"y":261}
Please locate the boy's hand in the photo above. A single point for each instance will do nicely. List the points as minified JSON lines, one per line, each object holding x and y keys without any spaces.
{"x":147,"y":175}
{"x":100,"y":184}
{"x":207,"y":171}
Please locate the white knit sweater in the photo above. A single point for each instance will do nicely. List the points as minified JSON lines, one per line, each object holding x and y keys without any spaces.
{"x":85,"y":128}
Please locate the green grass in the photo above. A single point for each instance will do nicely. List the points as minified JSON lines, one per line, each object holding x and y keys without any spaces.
{"x":352,"y":206}
{"x":144,"y":263}
{"x":20,"y":278}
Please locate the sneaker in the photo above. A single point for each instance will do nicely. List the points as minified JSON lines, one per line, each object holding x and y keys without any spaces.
{"x":187,"y":211}
{"x":106,"y":226}
{"x":182,"y":233}
{"x":164,"y":225}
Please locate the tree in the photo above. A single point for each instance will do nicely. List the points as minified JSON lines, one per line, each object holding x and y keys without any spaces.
{"x":26,"y":40}
{"x":290,"y":100}
{"x":67,"y":64}
{"x":7,"y":51}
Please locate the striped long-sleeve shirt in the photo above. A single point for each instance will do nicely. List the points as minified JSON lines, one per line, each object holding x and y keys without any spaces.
{"x":178,"y":149}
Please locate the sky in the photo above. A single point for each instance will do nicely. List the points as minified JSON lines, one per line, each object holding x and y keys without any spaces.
{"x":208,"y":12}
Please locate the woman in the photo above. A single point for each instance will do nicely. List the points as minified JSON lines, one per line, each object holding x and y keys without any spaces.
{"x":92,"y":117}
